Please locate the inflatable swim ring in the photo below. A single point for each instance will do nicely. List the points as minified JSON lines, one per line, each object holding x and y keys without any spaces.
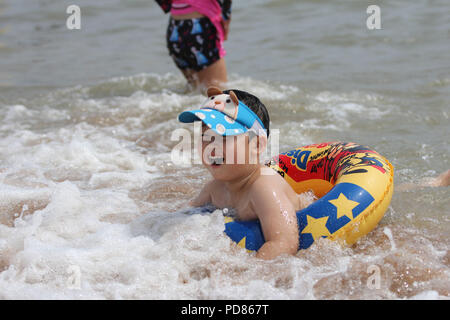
{"x":354,"y":185}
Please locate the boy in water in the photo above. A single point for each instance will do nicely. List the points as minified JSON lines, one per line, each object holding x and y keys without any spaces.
{"x":230,"y":150}
{"x":235,"y":128}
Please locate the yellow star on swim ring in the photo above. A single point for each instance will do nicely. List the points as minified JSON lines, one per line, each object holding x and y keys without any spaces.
{"x":344,"y":206}
{"x":317,"y":227}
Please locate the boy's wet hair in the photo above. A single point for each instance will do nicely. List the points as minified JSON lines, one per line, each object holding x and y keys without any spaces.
{"x":255,"y":105}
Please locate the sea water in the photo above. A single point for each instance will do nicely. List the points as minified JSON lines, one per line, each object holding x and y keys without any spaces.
{"x":92,"y":207}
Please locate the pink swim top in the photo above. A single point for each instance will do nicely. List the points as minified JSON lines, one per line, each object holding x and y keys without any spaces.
{"x":208,"y":8}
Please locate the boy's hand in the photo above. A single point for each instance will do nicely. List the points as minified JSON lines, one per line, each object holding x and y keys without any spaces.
{"x":204,"y":197}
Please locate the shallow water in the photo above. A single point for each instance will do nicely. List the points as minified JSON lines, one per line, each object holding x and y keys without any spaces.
{"x":92,"y":207}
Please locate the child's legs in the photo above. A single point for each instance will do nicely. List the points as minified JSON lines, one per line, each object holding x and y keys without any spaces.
{"x":213,"y":75}
{"x":194,"y":47}
{"x":191,"y":77}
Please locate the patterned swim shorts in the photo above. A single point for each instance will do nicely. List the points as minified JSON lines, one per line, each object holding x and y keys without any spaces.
{"x":193,"y":43}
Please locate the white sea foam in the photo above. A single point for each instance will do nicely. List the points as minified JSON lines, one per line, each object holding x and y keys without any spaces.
{"x":92,"y":208}
{"x":345,"y":106}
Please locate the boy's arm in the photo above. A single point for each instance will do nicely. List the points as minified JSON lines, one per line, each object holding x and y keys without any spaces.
{"x":204,"y":197}
{"x":278,"y":222}
{"x":226,"y":16}
{"x":225,"y":5}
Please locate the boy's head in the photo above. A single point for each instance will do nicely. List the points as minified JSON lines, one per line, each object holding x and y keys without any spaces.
{"x":230,"y":120}
{"x":255,"y":105}
{"x":231,"y":112}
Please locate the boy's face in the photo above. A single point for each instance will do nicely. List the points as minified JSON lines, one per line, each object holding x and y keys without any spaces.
{"x":227,"y":157}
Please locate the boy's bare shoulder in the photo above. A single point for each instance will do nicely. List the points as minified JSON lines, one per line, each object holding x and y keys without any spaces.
{"x":267,"y":182}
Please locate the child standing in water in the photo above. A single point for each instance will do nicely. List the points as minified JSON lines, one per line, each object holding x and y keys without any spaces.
{"x":195,"y":36}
